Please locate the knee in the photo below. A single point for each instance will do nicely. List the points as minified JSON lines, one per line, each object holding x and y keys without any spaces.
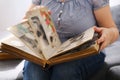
{"x":29,"y":66}
{"x":34,"y":72}
{"x":31,"y":71}
{"x":65,"y":72}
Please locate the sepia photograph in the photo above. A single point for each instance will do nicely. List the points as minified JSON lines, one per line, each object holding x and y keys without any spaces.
{"x":39,"y":30}
{"x":23,"y":32}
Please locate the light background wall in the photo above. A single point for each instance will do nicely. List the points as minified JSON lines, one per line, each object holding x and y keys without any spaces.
{"x":12,"y":12}
{"x":114,"y":2}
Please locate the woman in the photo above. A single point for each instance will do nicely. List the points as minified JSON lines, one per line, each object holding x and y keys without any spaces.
{"x":72,"y":17}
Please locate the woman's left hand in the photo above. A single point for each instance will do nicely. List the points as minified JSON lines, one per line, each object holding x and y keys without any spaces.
{"x":106,"y":36}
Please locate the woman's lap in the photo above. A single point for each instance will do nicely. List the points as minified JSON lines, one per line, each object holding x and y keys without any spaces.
{"x":73,"y":70}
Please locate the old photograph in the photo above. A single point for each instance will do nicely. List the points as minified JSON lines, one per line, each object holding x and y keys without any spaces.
{"x":23,"y":32}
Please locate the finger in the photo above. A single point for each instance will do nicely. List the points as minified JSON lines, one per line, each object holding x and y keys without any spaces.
{"x":101,"y":39}
{"x":97,"y":29}
{"x":103,"y":45}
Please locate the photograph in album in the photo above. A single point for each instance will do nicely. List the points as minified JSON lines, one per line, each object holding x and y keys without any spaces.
{"x":44,"y":30}
{"x":24,"y":32}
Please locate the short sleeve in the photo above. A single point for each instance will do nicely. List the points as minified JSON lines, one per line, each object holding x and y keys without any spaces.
{"x":99,"y":3}
{"x":36,"y":2}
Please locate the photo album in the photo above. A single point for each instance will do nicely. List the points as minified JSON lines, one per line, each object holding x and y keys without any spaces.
{"x":35,"y":39}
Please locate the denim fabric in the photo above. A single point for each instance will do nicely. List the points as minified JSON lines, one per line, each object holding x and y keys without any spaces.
{"x":80,"y":69}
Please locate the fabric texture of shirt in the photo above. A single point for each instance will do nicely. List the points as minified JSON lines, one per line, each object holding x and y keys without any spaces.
{"x":76,"y":17}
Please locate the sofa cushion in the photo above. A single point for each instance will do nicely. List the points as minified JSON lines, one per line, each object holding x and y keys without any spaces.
{"x":113,"y":73}
{"x":11,"y":69}
{"x":113,"y":54}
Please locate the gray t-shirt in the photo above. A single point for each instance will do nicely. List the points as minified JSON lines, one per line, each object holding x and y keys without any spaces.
{"x":76,"y":17}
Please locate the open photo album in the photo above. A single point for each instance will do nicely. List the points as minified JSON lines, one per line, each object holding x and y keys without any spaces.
{"x":36,"y":39}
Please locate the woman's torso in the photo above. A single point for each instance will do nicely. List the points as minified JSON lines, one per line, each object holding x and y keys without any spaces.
{"x":76,"y":17}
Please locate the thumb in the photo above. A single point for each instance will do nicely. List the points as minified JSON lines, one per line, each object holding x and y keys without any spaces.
{"x":97,"y":29}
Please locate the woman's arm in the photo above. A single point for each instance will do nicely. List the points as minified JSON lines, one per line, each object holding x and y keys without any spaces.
{"x":107,"y":28}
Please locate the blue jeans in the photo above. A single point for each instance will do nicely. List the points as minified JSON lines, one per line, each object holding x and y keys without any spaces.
{"x":74,"y":70}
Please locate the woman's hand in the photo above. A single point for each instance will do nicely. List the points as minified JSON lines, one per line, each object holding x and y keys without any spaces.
{"x":107,"y":36}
